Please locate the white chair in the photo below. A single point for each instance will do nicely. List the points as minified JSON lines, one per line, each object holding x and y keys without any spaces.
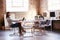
{"x":28,"y":25}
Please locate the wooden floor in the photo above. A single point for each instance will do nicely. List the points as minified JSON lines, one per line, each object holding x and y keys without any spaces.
{"x":50,"y":35}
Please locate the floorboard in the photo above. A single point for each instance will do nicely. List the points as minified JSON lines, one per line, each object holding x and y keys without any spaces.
{"x":49,"y":35}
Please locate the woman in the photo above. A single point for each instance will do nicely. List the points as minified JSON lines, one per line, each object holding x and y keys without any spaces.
{"x":16,"y":24}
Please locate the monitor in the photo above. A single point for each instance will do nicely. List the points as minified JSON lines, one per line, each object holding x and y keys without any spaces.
{"x":52,"y":14}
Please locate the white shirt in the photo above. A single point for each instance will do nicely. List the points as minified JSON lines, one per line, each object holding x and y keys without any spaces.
{"x":10,"y":21}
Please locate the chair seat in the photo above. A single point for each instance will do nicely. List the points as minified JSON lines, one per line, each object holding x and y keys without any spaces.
{"x":14,"y":25}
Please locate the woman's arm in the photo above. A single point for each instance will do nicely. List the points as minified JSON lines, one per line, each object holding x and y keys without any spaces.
{"x":12,"y":20}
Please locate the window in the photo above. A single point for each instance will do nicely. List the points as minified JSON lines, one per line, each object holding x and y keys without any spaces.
{"x":53,"y":4}
{"x":17,"y":5}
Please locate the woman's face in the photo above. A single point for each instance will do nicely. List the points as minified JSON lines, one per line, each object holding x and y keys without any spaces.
{"x":9,"y":14}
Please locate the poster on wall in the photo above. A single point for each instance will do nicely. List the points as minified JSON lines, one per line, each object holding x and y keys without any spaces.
{"x":45,"y":14}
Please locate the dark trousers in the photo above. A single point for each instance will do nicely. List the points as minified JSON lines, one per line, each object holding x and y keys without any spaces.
{"x":21,"y":29}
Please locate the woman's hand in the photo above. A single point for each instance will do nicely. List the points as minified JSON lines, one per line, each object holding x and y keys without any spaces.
{"x":19,"y":21}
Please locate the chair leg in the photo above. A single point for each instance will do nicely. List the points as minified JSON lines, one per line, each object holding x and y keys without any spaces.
{"x":14,"y":32}
{"x":32,"y":30}
{"x":43,"y":31}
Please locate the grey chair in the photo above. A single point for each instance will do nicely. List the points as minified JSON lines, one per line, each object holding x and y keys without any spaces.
{"x":14,"y":27}
{"x":49,"y":24}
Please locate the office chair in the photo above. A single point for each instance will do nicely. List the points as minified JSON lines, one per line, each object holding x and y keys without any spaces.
{"x":39,"y":25}
{"x":49,"y":24}
{"x":14,"y":27}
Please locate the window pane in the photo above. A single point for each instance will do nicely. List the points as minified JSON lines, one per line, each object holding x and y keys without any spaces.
{"x":17,"y":5}
{"x":53,"y":4}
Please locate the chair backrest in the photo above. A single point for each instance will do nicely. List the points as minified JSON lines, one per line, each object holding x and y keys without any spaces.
{"x":42,"y":23}
{"x":48,"y":22}
{"x":5,"y":20}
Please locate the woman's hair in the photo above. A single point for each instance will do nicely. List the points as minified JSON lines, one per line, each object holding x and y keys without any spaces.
{"x":7,"y":14}
{"x":41,"y":16}
{"x":23,"y":19}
